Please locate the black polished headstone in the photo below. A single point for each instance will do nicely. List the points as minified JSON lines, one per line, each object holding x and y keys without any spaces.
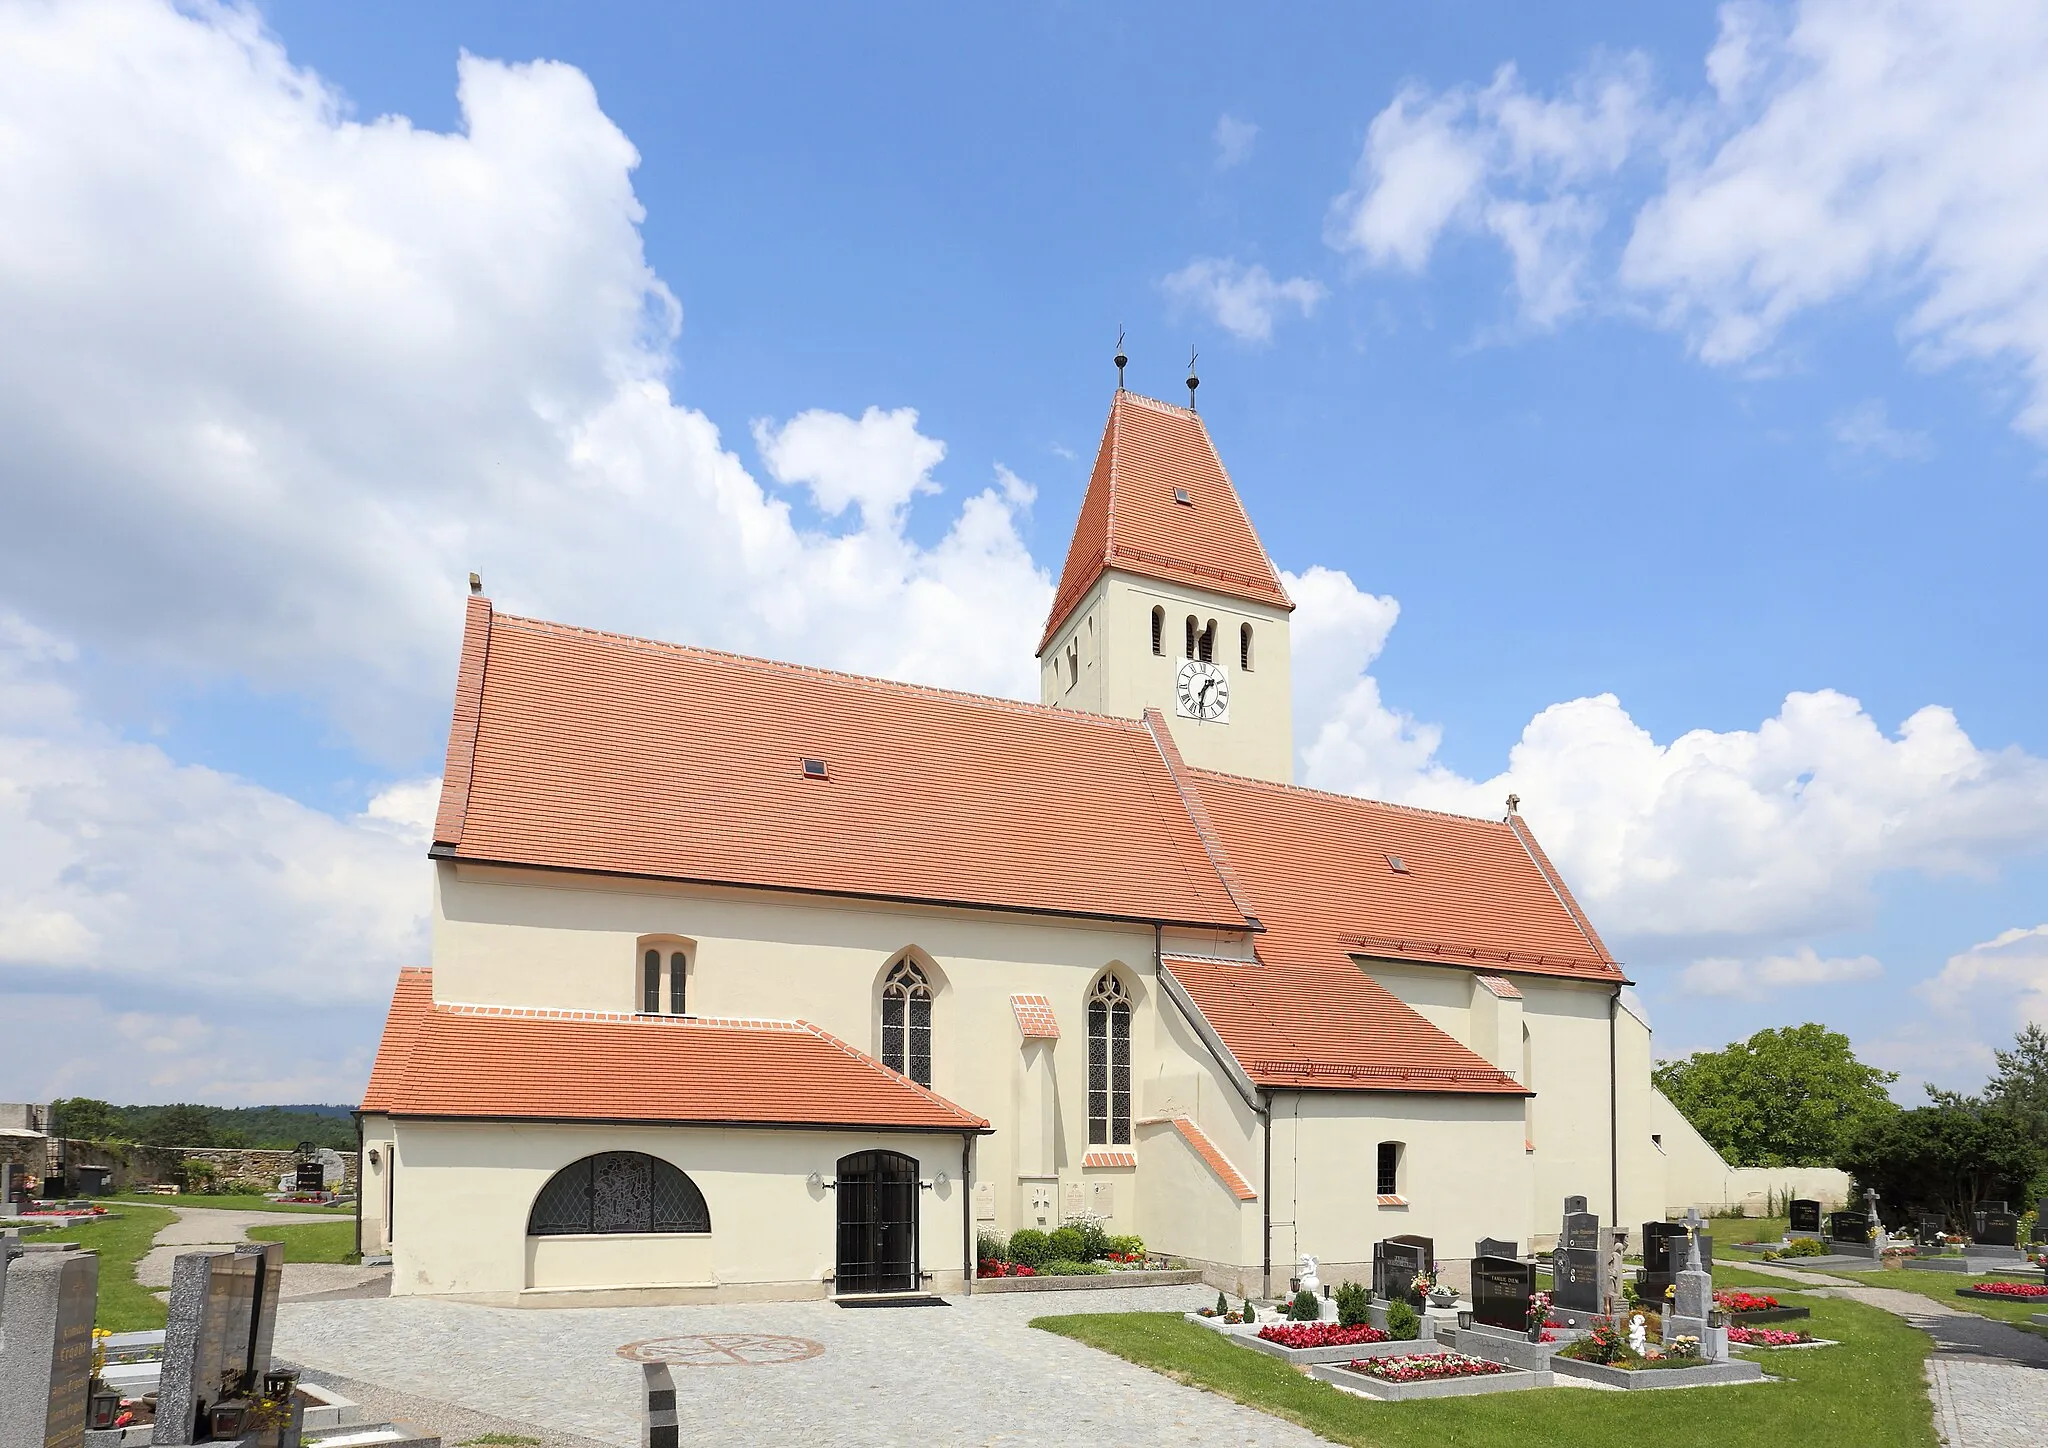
{"x":1931,"y":1230}
{"x":1848,"y":1227}
{"x":1805,"y":1218}
{"x":2041,"y":1220}
{"x":1501,"y":1289}
{"x":1998,"y":1229}
{"x":1493,"y":1247}
{"x":1395,"y":1266}
{"x":1575,"y":1265}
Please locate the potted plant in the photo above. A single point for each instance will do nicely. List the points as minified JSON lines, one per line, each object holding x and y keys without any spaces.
{"x":1539,"y":1315}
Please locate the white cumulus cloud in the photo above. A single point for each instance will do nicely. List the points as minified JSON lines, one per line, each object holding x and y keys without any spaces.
{"x":1242,"y":299}
{"x":2009,"y":971}
{"x":1756,"y":979}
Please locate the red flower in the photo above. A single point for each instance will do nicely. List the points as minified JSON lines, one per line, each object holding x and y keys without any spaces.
{"x":1321,"y":1334}
{"x":1739,"y":1301}
{"x":2013,"y":1289}
{"x":1426,"y":1369}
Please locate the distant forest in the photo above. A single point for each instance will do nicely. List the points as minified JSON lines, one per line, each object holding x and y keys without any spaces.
{"x":274,"y":1128}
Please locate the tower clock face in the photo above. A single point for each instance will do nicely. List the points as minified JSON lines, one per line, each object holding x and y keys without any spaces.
{"x":1202,"y":691}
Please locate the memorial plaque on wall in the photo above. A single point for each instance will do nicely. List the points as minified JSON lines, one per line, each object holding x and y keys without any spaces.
{"x":1501,"y":1289}
{"x":1805,"y":1218}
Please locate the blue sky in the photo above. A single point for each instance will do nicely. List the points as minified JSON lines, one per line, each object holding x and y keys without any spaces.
{"x":1753,"y":413}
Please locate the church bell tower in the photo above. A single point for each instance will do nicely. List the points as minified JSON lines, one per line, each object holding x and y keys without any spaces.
{"x":1169,"y":601}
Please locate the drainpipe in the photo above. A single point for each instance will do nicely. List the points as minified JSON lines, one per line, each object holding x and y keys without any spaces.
{"x":1614,"y":1104}
{"x":1266,"y":1199}
{"x":967,"y":1262}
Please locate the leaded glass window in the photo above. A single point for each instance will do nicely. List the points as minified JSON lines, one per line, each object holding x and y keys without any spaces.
{"x":907,"y":1022}
{"x":1109,"y":1063}
{"x":618,"y":1191}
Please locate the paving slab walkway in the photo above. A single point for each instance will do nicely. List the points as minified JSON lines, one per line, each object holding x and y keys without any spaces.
{"x":1989,"y":1379}
{"x":970,"y":1372}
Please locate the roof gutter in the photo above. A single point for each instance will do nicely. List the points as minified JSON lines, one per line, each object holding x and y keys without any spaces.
{"x":508,"y":1118}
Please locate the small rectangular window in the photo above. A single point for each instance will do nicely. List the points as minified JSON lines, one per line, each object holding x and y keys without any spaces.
{"x":1397,"y":865}
{"x":1390,"y":1169}
{"x":814,"y":769}
{"x":1180,"y":495}
{"x":650,"y":983}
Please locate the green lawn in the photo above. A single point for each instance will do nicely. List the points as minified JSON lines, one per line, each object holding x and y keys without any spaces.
{"x":312,"y":1242}
{"x":120,"y":1241}
{"x":1868,"y":1393}
{"x":232,"y":1203}
{"x":1941,"y":1286}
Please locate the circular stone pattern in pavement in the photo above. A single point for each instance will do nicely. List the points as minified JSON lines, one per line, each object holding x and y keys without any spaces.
{"x":722,"y":1350}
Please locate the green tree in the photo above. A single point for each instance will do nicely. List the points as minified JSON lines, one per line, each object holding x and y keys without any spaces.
{"x":181,"y":1125}
{"x":81,"y":1118}
{"x":2020,"y":1085}
{"x":1944,"y":1159}
{"x":1793,"y":1096}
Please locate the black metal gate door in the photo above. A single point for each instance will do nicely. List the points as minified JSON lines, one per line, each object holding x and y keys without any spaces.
{"x":877,"y":1223}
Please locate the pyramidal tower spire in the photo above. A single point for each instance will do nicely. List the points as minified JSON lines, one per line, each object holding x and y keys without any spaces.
{"x":1168,"y":600}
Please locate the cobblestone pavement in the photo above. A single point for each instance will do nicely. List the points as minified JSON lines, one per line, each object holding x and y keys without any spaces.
{"x":972,"y":1372}
{"x":1989,"y":1379}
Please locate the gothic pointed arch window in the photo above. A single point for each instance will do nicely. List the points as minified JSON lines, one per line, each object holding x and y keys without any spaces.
{"x":1109,"y":1062}
{"x":907,"y":1021}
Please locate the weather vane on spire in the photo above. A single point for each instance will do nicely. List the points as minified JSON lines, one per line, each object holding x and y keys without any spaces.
{"x":1120,"y":358}
{"x":1193,"y":381}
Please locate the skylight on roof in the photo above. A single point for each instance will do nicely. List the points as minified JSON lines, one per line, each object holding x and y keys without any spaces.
{"x":1180,"y":495}
{"x":1396,"y":864}
{"x":815,"y":769}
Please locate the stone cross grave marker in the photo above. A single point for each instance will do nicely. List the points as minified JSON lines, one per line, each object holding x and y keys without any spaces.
{"x":46,"y":1358}
{"x":1575,"y":1265}
{"x":1805,"y":1215}
{"x":1501,"y":1289}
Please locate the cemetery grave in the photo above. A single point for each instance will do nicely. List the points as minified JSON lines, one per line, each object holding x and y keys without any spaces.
{"x":1441,"y":1374}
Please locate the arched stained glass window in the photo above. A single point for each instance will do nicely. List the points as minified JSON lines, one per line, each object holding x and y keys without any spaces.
{"x":618,"y":1191}
{"x":1109,"y":1063}
{"x":907,"y":1022}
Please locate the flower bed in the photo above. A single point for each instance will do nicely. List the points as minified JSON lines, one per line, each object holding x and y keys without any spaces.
{"x":1321,"y":1334}
{"x":1430,"y":1368}
{"x":2016,"y":1290}
{"x":1736,"y":1300}
{"x":989,"y":1267}
{"x":1766,"y":1337}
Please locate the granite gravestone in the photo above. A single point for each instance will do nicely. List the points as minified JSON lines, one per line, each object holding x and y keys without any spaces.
{"x":1930,"y":1233}
{"x":10,"y":1248}
{"x":2040,"y":1232}
{"x":1663,"y":1256}
{"x":1998,"y":1229}
{"x":1847,"y":1226}
{"x":1805,"y":1218}
{"x":1501,"y":1289}
{"x":1493,"y":1247}
{"x":1692,"y":1301}
{"x":1395,"y":1265}
{"x":222,"y":1319}
{"x":1575,"y":1266}
{"x":46,"y":1357}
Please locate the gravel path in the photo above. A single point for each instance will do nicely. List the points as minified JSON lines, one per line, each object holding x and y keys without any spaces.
{"x":971,"y":1372}
{"x":199,"y":1227}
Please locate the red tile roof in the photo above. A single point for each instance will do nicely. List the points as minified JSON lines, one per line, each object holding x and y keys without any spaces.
{"x":1110,"y":1159}
{"x":1500,"y":987}
{"x":1131,"y":521}
{"x":602,"y":753}
{"x":452,"y":1060}
{"x":1035,"y":1019}
{"x":1313,"y":868}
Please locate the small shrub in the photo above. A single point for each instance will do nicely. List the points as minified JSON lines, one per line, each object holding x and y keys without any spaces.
{"x":1305,"y":1308}
{"x":1222,"y":1305}
{"x":1028,"y":1246}
{"x":1805,"y":1247}
{"x":1068,"y":1267}
{"x":1246,"y":1311}
{"x":1352,"y":1303}
{"x":1404,"y":1324}
{"x":991,"y":1247}
{"x":1094,"y":1241}
{"x":1067,"y":1242}
{"x":1130,"y":1246}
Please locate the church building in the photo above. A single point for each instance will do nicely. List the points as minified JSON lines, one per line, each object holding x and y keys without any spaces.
{"x":751,"y":980}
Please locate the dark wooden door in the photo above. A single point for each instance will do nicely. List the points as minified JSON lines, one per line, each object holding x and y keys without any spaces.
{"x":877,"y":1223}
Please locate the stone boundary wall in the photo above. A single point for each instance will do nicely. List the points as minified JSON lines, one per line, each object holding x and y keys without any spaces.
{"x":238,"y":1169}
